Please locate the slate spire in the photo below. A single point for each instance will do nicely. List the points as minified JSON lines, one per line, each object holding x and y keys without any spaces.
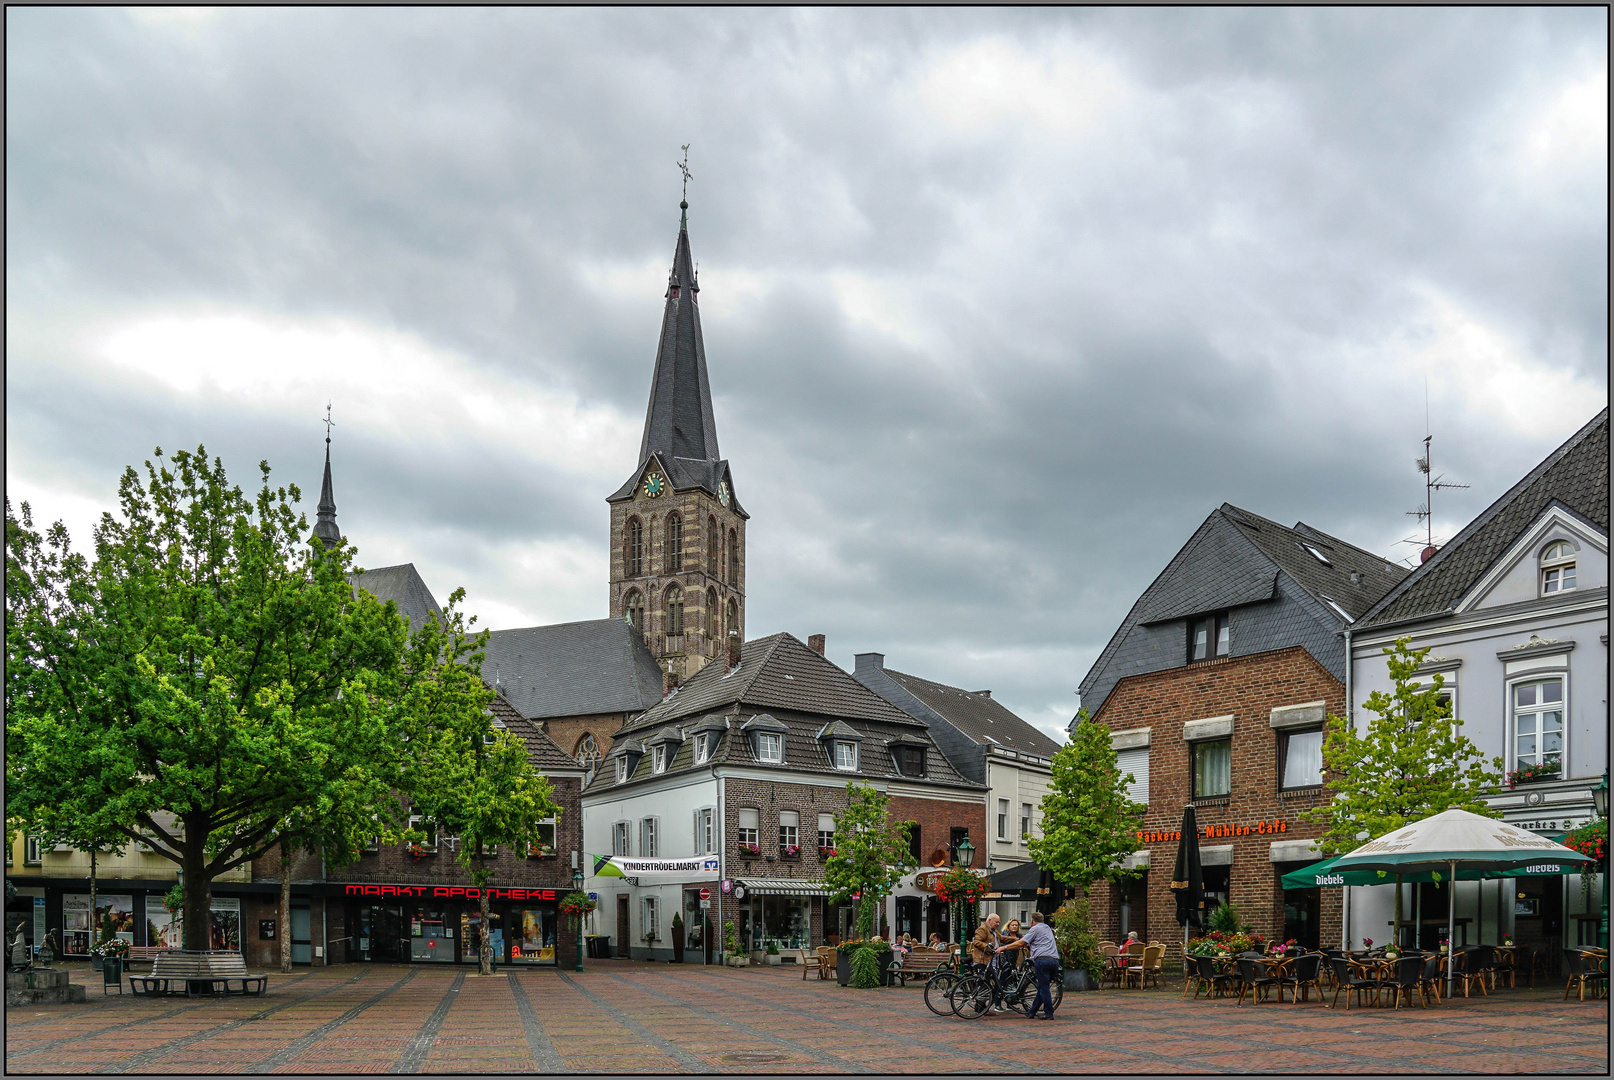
{"x":326,"y":528}
{"x":678,"y":422}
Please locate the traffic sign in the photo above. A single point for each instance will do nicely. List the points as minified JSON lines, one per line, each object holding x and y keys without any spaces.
{"x":706,"y":904}
{"x":706,"y":894}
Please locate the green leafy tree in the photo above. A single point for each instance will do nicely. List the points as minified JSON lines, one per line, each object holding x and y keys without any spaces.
{"x":1088,"y":823}
{"x":470,"y":778}
{"x":211,"y":663}
{"x":870,"y":857}
{"x":1410,"y":762}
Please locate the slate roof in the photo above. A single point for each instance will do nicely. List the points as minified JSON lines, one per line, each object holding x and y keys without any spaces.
{"x":573,"y":669}
{"x":978,"y":715}
{"x":403,"y":585}
{"x":775,"y":672}
{"x":1289,"y":549}
{"x":1574,"y":475}
{"x":780,"y":681}
{"x":325,"y":528}
{"x":541,"y":749}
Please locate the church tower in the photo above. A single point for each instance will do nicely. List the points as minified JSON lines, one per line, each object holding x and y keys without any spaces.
{"x":677,"y":527}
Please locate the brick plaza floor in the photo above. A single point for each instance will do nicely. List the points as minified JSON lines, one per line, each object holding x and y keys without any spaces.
{"x":620,"y":1016}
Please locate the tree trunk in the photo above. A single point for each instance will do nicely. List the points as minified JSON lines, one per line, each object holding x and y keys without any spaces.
{"x":95,"y":924}
{"x":285,"y":906}
{"x":198,"y":884}
{"x":485,"y":946}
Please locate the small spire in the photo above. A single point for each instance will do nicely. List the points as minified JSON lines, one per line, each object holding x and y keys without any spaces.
{"x":683,"y":205}
{"x":326,"y":528}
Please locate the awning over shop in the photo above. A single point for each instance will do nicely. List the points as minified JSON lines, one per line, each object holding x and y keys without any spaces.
{"x":782,"y":887}
{"x":1325,"y":873}
{"x":1017,"y":881}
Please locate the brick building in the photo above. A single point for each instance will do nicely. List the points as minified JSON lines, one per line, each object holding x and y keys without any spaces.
{"x":1216,"y":688}
{"x":740,"y":773}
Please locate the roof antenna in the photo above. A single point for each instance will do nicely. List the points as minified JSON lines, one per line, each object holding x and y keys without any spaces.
{"x":1432,"y":484}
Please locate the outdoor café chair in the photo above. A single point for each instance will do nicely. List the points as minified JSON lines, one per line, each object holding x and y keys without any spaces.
{"x":1152,"y":957}
{"x":1254,"y":980}
{"x":1407,"y":980}
{"x":1134,"y":963}
{"x":1586,"y":968}
{"x":1476,"y":968}
{"x":1431,"y":976}
{"x":1502,"y":967}
{"x":1206,"y":977}
{"x":1349,"y":979}
{"x":1304,"y":971}
{"x":1524,"y":963}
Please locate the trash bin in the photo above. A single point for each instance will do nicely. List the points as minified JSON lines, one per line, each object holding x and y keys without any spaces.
{"x":598,"y":946}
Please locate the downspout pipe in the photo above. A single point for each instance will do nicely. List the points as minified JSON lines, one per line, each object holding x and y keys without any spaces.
{"x":1350,"y":718}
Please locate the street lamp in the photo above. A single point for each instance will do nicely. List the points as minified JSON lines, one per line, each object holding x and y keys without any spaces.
{"x":1600,"y":804}
{"x":966,"y":850}
{"x":577,"y":886}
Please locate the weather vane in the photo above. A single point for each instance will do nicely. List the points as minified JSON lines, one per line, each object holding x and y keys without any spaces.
{"x":683,"y":167}
{"x":329,"y":423}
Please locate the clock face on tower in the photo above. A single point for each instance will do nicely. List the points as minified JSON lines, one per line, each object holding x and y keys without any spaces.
{"x":655,"y":485}
{"x":723,"y":492}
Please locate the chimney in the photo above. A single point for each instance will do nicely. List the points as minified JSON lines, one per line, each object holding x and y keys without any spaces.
{"x":866,"y":661}
{"x":1428,"y":553}
{"x":669,"y":677}
{"x":734,"y":650}
{"x":816,"y":643}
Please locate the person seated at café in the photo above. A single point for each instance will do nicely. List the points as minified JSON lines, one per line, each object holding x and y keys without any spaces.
{"x":936,"y":941}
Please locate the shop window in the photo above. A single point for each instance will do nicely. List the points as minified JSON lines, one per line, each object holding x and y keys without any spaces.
{"x":1208,"y":638}
{"x":1003,"y":819}
{"x":620,"y":839}
{"x":789,"y":829}
{"x":749,"y":828}
{"x":534,"y":941}
{"x":1025,"y":822}
{"x":648,"y":847}
{"x":1538,"y":723}
{"x":1303,"y":759}
{"x":826,"y":832}
{"x":909,"y":760}
{"x":1213,"y":762}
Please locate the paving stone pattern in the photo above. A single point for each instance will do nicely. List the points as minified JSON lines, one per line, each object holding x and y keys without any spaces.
{"x":623,"y":1016}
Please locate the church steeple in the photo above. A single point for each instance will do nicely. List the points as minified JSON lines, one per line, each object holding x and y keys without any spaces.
{"x":679,"y":422}
{"x":326,"y":528}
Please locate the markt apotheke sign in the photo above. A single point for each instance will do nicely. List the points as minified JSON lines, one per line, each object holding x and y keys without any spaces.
{"x":449,"y":892}
{"x":1216,"y":832}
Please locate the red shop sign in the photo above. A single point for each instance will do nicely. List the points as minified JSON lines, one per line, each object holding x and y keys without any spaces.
{"x":448,"y":892}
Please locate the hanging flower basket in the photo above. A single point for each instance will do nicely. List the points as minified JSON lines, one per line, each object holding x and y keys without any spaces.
{"x":960,"y":885}
{"x":576,"y":904}
{"x":1590,"y":839}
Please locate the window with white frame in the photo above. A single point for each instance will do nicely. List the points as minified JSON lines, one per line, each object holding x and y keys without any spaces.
{"x":658,"y":758}
{"x":1557,"y":567}
{"x":705,"y":832}
{"x":789,"y":829}
{"x":770,"y":746}
{"x":826,"y":832}
{"x":1003,"y":819}
{"x":846,"y":755}
{"x":748,"y":827}
{"x":620,"y":835}
{"x":703,"y":746}
{"x":650,"y":918}
{"x":545,"y":844}
{"x":1538,"y":722}
{"x":621,"y":770}
{"x":1302,"y":759}
{"x":647,"y":838}
{"x":1025,"y":822}
{"x":31,"y":851}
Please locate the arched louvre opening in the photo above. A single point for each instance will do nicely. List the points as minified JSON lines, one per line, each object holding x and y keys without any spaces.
{"x":675,"y":543}
{"x":633,"y":547}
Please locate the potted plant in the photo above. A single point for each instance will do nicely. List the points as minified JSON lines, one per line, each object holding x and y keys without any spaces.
{"x":112,"y":953}
{"x":731,"y":946}
{"x":772,"y":953}
{"x":1078,"y":945}
{"x":678,"y":938}
{"x":846,"y":952}
{"x":1445,"y":944}
{"x":649,"y":940}
{"x":1507,"y":939}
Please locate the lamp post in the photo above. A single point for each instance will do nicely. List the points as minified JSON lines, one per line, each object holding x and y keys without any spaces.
{"x":577,"y":886}
{"x":966,"y":856}
{"x":1600,"y":804}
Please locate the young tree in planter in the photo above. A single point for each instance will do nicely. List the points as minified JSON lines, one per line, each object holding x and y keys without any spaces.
{"x":210,"y":662}
{"x":471,"y":779}
{"x":1088,"y":823}
{"x":1410,"y":762}
{"x":870,"y":858}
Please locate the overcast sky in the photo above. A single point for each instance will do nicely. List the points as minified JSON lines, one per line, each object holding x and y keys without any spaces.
{"x":997,"y":305}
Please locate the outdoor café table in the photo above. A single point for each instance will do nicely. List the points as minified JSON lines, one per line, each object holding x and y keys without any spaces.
{"x":1123,"y":966}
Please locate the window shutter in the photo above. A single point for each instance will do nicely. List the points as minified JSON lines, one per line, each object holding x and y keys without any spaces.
{"x":789,"y":818}
{"x":1136,"y":762}
{"x":826,"y":822}
{"x":750,"y":819}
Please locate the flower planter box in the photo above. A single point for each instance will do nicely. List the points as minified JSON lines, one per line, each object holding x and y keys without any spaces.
{"x":95,"y":961}
{"x":843,"y":969}
{"x":773,"y":959}
{"x":737,"y":961}
{"x":1077,"y":979}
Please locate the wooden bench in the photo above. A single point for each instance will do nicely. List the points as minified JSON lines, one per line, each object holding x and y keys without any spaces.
{"x":145,"y":954}
{"x":197,"y":972}
{"x":919,"y":962}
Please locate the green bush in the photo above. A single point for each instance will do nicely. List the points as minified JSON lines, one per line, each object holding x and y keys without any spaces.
{"x":1078,"y":944}
{"x":731,"y":941}
{"x":866,"y":968}
{"x":1224,"y":918}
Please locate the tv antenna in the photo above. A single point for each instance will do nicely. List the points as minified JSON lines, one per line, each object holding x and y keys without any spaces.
{"x":1431,"y":484}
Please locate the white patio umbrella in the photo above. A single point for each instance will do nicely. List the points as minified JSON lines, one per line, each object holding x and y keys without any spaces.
{"x":1451,"y":839}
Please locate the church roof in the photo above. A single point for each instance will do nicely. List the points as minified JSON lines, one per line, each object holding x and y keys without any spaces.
{"x":1574,"y":475}
{"x":573,"y":669}
{"x":541,"y":749}
{"x":399,"y":583}
{"x":325,"y":528}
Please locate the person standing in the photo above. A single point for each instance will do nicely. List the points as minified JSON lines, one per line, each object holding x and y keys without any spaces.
{"x":1039,"y":940}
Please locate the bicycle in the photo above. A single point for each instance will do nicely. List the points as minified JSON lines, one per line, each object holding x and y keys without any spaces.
{"x":1016,"y":989}
{"x":940,"y":986}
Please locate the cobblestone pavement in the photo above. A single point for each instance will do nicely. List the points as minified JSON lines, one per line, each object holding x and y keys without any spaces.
{"x":620,"y":1016}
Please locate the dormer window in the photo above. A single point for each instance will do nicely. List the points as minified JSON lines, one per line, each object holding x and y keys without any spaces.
{"x":703,"y":747}
{"x":1557,"y":567}
{"x":846,"y":756}
{"x":770,"y":747}
{"x":909,"y":760}
{"x":1208,"y":638}
{"x":621,"y":770}
{"x":658,"y":758}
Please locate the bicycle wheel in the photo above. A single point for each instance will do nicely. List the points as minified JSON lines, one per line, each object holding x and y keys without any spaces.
{"x":939,"y":992}
{"x":972,"y":997}
{"x":1056,"y":987}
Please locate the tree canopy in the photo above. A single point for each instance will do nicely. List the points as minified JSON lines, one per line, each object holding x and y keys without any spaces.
{"x":1088,"y":823}
{"x":870,"y":857}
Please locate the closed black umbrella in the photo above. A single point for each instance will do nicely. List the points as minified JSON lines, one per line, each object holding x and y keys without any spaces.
{"x":1187,"y":880}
